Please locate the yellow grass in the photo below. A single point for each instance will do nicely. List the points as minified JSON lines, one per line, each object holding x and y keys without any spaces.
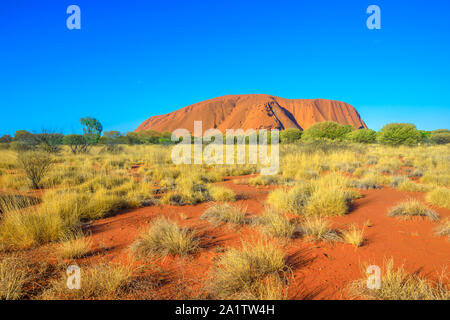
{"x":165,"y":237}
{"x":439,"y":197}
{"x":354,"y":236}
{"x":239,"y":272}
{"x":397,"y":284}
{"x":413,"y":207}
{"x":225,"y":213}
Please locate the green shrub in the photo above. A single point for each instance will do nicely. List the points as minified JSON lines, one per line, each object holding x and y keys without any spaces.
{"x":76,"y":142}
{"x":395,"y":134}
{"x":441,"y":136}
{"x":327,"y":130}
{"x":290,"y":135}
{"x":362,"y":136}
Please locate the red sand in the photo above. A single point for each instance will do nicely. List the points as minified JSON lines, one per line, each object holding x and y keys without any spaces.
{"x":322,"y":270}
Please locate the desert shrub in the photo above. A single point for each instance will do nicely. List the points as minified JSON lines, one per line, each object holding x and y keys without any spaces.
{"x":362,"y":136}
{"x":102,"y":281}
{"x":10,"y":202}
{"x":49,"y":142}
{"x":102,"y":203}
{"x":371,"y":180}
{"x":328,"y":195}
{"x":5,"y":146}
{"x":236,"y":170}
{"x":439,"y":197}
{"x":397,"y":284}
{"x":225,"y":213}
{"x":238,"y":272}
{"x":74,"y":245}
{"x":444,"y":228}
{"x":165,"y":237}
{"x":272,"y":287}
{"x":36,"y":165}
{"x":14,"y":181}
{"x":24,"y":230}
{"x":318,"y":228}
{"x":77,"y":143}
{"x":189,"y":190}
{"x":293,"y":200}
{"x":409,"y":186}
{"x":219,"y":193}
{"x":389,"y":165}
{"x":112,"y":149}
{"x":290,"y":135}
{"x":398,"y":180}
{"x":354,"y":236}
{"x":24,"y":226}
{"x":395,"y":134}
{"x":276,"y":223}
{"x":436,"y":178}
{"x":20,"y":146}
{"x":263,"y":180}
{"x":327,"y":202}
{"x":13,"y":277}
{"x":413,"y":207}
{"x":327,"y":130}
{"x":441,"y":136}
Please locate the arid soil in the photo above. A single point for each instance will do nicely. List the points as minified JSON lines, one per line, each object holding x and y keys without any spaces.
{"x":321,"y":270}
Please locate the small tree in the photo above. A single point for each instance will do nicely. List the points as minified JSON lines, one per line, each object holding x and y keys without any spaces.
{"x":327,"y":130}
{"x":35,"y":164}
{"x":290,"y":135}
{"x":362,"y":136}
{"x":92,"y":129}
{"x":395,"y":134}
{"x":24,"y":140}
{"x":441,"y":136}
{"x":6,"y":138}
{"x":76,"y":142}
{"x":49,"y":142}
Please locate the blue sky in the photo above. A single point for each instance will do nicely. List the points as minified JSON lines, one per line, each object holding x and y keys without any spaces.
{"x":135,"y":59}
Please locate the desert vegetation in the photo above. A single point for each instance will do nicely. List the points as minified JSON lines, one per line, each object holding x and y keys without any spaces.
{"x":140,"y":226}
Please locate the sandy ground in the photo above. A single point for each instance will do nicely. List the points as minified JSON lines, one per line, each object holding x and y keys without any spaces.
{"x":321,"y":270}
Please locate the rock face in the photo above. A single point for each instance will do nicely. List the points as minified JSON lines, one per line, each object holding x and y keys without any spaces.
{"x":255,"y":111}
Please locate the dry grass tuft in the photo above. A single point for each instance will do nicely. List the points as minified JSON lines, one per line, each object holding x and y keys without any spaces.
{"x":354,"y":236}
{"x":165,"y":237}
{"x":12,"y":278}
{"x":102,"y":281}
{"x":255,"y":270}
{"x":219,"y":193}
{"x":397,"y":284}
{"x":439,"y":197}
{"x":225,"y":213}
{"x":276,"y":223}
{"x":411,"y":208}
{"x":318,"y":228}
{"x":444,"y":228}
{"x":74,"y":246}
